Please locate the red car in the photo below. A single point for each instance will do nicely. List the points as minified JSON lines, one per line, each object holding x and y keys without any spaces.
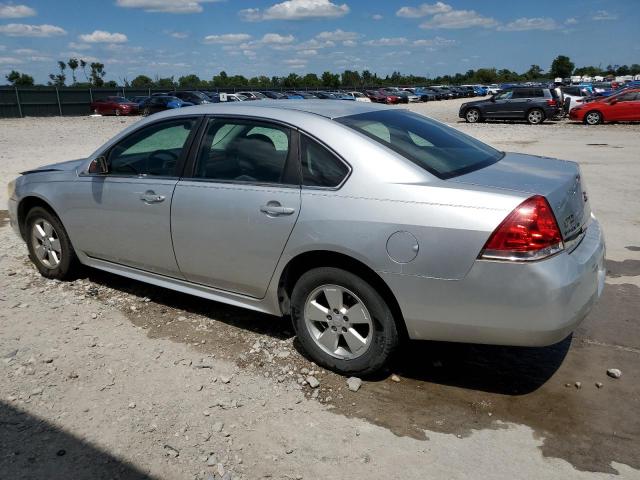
{"x":114,"y":106}
{"x":622,"y":107}
{"x":379,"y":96}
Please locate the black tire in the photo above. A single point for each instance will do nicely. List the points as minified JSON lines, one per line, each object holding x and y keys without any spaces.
{"x":117,"y":112}
{"x":592,"y":117}
{"x":535,"y":116}
{"x":473,"y":115}
{"x":68,"y":265}
{"x":384,"y":333}
{"x":146,"y":112}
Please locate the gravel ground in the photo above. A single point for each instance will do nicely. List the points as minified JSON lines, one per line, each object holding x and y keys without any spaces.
{"x":104,"y":377}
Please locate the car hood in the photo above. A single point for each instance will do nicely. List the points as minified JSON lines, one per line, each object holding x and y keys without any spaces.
{"x":475,"y":102}
{"x":557,"y":180}
{"x":68,"y":166}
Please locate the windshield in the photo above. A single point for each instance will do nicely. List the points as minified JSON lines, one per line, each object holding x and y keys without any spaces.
{"x":441,"y":150}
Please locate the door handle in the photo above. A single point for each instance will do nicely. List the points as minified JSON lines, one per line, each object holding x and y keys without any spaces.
{"x":274,"y":209}
{"x":151,"y":197}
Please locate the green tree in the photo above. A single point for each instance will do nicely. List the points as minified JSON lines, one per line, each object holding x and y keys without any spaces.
{"x":534,"y":73}
{"x":97,"y":74}
{"x":220,"y":80}
{"x":311,"y":80}
{"x":58,"y":79}
{"x":330,"y":80}
{"x":111,"y":84}
{"x":83,"y":66}
{"x":167,"y":82}
{"x":191,"y":80}
{"x":623,"y":70}
{"x":141,"y":81}
{"x":18,"y":79}
{"x":350,"y":78}
{"x":73,"y":65}
{"x":562,"y":67}
{"x":588,"y":71}
{"x":291,"y":81}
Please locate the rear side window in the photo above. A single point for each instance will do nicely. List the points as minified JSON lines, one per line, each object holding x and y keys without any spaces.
{"x":439,"y":149}
{"x":320,"y":167}
{"x":243,"y":151}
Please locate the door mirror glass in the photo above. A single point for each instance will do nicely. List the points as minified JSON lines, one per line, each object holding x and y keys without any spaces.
{"x":99,"y":165}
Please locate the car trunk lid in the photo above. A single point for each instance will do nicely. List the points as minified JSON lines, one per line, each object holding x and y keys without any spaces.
{"x":558,"y":180}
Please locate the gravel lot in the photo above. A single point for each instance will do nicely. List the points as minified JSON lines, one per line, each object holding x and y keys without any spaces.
{"x":104,"y":377}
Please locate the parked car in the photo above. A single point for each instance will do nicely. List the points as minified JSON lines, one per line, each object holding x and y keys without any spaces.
{"x":325,"y":95}
{"x":114,"y":106}
{"x":304,"y":95}
{"x":425,"y":95}
{"x":159,"y":103}
{"x":274,"y":95}
{"x":138,"y":99}
{"x":488,"y":247}
{"x":533,"y":104}
{"x":359,"y":97}
{"x":493,"y":89}
{"x":193,"y":97}
{"x":572,"y":96}
{"x":380,"y":96}
{"x":405,"y":96}
{"x":623,"y":107}
{"x":253,"y":95}
{"x":445,"y":93}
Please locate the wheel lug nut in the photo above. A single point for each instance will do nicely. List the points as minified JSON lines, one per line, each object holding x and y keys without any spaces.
{"x":335,"y":311}
{"x":345,"y":318}
{"x":334,"y":328}
{"x":328,"y":317}
{"x":344,"y":329}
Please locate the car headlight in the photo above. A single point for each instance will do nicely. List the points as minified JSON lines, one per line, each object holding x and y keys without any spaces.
{"x":11,"y":188}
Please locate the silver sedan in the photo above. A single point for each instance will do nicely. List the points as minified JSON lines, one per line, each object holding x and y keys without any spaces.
{"x":366,"y":224}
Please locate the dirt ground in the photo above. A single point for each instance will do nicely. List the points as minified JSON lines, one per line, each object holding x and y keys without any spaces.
{"x":108,"y":378}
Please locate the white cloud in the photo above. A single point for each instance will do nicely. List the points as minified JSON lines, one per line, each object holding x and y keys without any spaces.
{"x":24,"y":30}
{"x":26,"y":51}
{"x":349,"y":43}
{"x":571,"y":21}
{"x":377,"y":16}
{"x":536,"y":23}
{"x":8,"y":10}
{"x":459,"y":19}
{"x":39,"y":58}
{"x":276,"y":38}
{"x":179,"y":35}
{"x":424,"y":10}
{"x":227,"y":38}
{"x":10,"y":61}
{"x":604,"y":15}
{"x":338,"y":36}
{"x":387,"y":42}
{"x":79,"y":46}
{"x":296,"y":10}
{"x":100,"y":36}
{"x":165,"y":6}
{"x":433,"y":42}
{"x":308,"y":53}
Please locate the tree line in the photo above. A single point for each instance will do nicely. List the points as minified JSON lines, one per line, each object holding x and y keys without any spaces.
{"x":94,"y":74}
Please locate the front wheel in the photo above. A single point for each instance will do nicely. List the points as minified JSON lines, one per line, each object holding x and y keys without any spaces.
{"x":593,"y":118}
{"x":472,"y":115}
{"x":49,"y":246}
{"x":535,"y":116}
{"x":342,"y":322}
{"x":146,"y":112}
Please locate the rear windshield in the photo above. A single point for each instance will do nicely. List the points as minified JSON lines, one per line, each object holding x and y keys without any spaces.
{"x":441,"y":150}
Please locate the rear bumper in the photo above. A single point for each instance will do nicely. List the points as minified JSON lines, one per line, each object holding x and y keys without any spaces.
{"x":502,"y":303}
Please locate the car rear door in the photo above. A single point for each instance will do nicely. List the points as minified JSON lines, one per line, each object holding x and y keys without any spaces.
{"x":627,"y":107}
{"x":124,"y":216}
{"x":234,"y":210}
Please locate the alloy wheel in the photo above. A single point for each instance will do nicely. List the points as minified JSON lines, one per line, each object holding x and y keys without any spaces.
{"x":593,"y":118}
{"x":473,"y":115}
{"x":46,"y":243}
{"x":338,"y":321}
{"x":535,"y":116}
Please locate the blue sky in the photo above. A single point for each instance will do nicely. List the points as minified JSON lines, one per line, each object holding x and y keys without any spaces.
{"x":272,"y":37}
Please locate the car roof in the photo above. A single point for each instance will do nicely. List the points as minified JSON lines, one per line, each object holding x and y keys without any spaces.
{"x":324,"y":108}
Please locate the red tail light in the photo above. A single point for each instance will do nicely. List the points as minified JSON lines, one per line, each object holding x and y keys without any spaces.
{"x":530,"y":232}
{"x":552,"y":103}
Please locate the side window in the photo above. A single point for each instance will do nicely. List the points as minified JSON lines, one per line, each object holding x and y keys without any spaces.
{"x":243,"y":151}
{"x":627,"y":97}
{"x":520,"y":93}
{"x":153,"y":150}
{"x":320,"y":168}
{"x":504,"y":95}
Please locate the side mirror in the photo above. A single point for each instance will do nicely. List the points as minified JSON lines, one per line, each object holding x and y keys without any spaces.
{"x":99,"y":165}
{"x":493,"y":98}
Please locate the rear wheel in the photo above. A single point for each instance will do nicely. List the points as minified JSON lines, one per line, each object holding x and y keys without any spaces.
{"x":146,"y":112}
{"x":49,"y":246}
{"x":593,"y":118}
{"x":472,"y":115}
{"x":535,"y":116}
{"x":342,"y":322}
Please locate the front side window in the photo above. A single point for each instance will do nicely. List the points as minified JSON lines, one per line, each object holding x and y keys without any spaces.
{"x":243,"y":151}
{"x":627,"y":97}
{"x":320,"y":167}
{"x":506,"y":95}
{"x":441,"y":150}
{"x":153,"y":150}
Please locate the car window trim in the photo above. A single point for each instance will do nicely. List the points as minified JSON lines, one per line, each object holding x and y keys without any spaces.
{"x":186,"y":150}
{"x":290,"y":169}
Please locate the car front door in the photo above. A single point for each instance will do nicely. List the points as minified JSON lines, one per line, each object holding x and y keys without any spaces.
{"x":123,"y":216}
{"x":232,"y":217}
{"x":626,"y":108}
{"x":497,"y":106}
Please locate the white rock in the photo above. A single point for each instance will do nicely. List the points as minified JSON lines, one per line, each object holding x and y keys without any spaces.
{"x":354,"y":384}
{"x":614,"y":373}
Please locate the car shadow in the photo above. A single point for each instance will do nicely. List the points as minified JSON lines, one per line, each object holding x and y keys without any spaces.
{"x":34,"y":448}
{"x":489,"y":368}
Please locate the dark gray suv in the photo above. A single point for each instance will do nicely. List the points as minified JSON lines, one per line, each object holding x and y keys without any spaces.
{"x":533,"y":104}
